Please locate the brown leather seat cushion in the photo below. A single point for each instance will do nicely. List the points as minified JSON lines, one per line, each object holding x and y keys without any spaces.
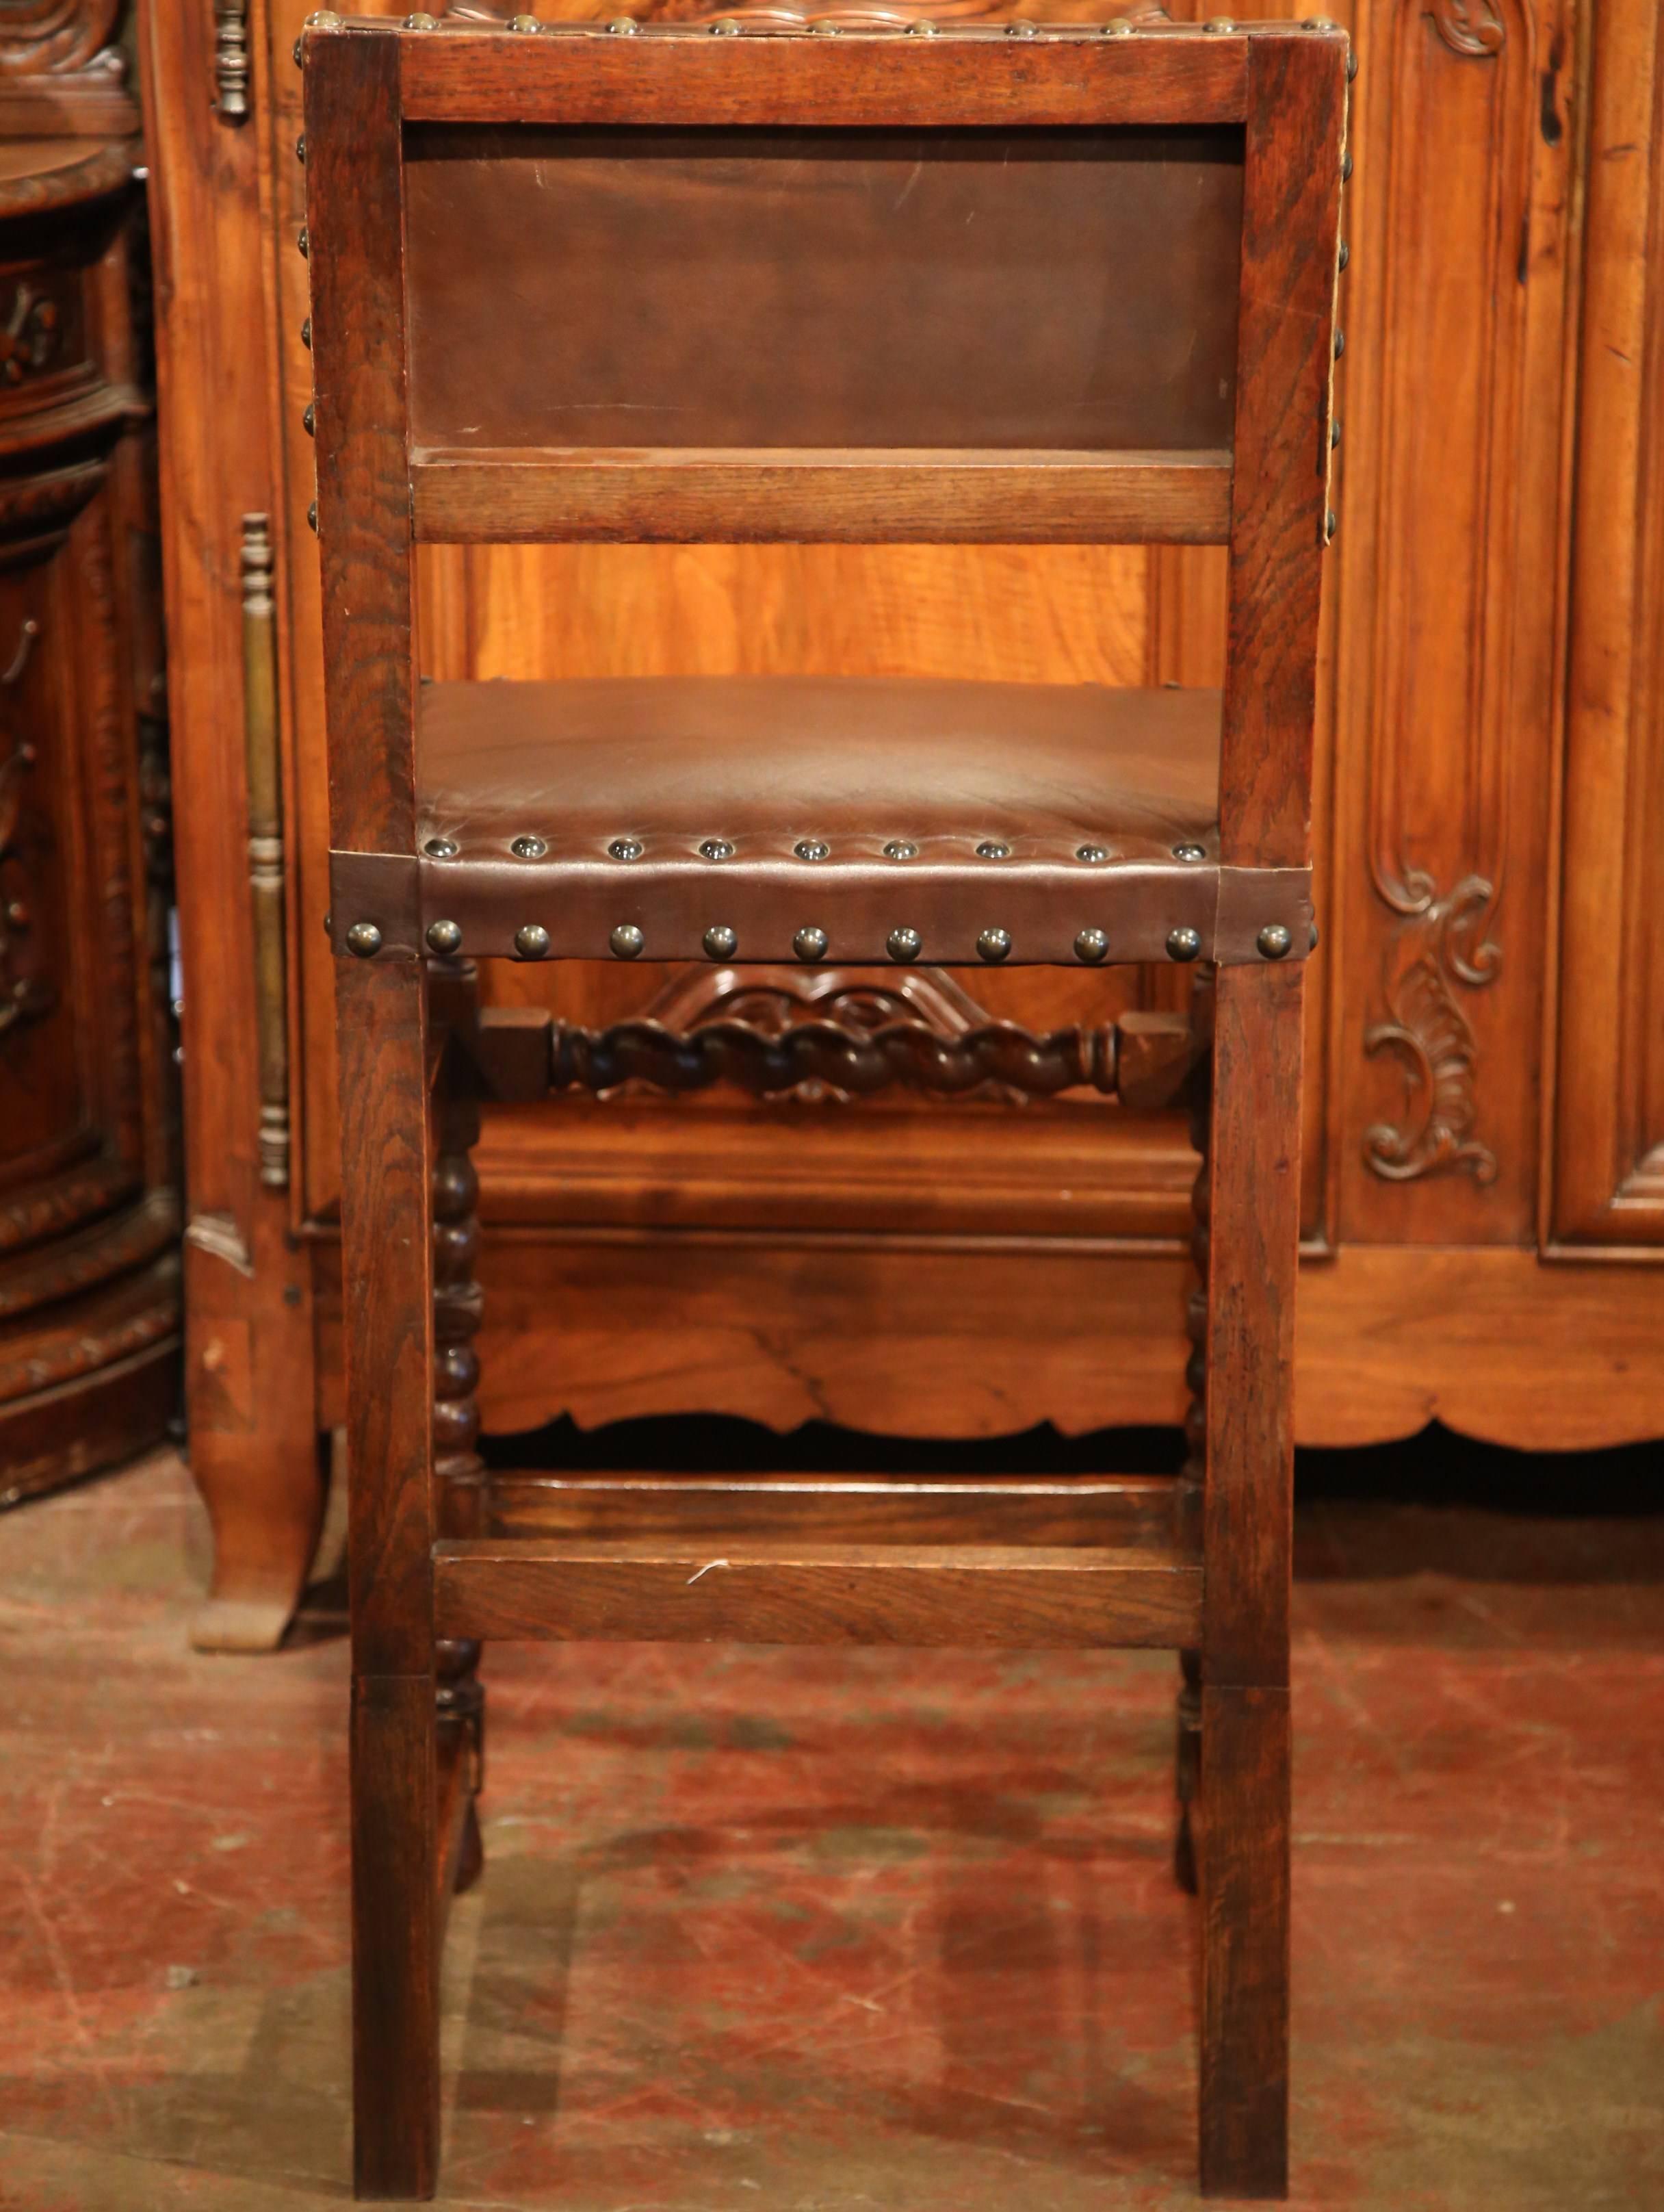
{"x":776,"y":767}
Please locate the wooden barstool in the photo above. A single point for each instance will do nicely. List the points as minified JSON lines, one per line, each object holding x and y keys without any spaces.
{"x":1001,"y":284}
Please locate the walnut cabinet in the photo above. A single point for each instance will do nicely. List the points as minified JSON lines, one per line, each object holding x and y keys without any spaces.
{"x":89,"y":1275}
{"x":1483,"y":1197}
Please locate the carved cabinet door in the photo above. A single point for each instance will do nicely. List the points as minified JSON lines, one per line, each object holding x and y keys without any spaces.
{"x":1608,"y":1161}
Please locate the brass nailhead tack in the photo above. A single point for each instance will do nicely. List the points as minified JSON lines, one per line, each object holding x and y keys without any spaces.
{"x":531,"y":943}
{"x":810,"y":944}
{"x":1345,"y":255}
{"x":1313,"y":937}
{"x":900,"y":848}
{"x":622,"y":26}
{"x":441,"y":849}
{"x":528,"y":848}
{"x":921,"y":30}
{"x":995,"y":944}
{"x":728,"y":29}
{"x":1331,"y":523}
{"x":1339,"y":344}
{"x":444,"y":936}
{"x":1273,"y":940}
{"x":1189,"y":853}
{"x":420,"y":22}
{"x":311,"y":518}
{"x":1117,"y":30}
{"x":1347,"y":168}
{"x":720,"y":941}
{"x":626,"y":940}
{"x":625,"y":848}
{"x":306,"y":334}
{"x":309,"y":420}
{"x":903,"y":944}
{"x":364,"y":939}
{"x":991,"y":849}
{"x":1090,"y":946}
{"x":1183,"y":943}
{"x":528,"y":26}
{"x":1092,"y":855}
{"x":300,"y":149}
{"x":716,"y":848}
{"x":1019,"y":30}
{"x":812,"y":848}
{"x":303,"y":243}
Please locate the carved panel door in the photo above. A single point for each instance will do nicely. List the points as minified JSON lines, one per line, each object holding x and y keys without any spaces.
{"x":1609,"y":1149}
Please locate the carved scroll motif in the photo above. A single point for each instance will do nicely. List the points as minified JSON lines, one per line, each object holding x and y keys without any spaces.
{"x":1429,"y":1033}
{"x":1469,"y":27}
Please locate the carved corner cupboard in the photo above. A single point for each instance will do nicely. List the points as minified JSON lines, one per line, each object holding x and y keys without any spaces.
{"x":1484,"y":1195}
{"x":90,"y":1279}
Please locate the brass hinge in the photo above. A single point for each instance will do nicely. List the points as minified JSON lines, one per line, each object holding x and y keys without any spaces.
{"x":265,"y":847}
{"x":231,"y":60}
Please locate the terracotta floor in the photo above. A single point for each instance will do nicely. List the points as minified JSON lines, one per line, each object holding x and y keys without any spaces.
{"x":831,"y":1930}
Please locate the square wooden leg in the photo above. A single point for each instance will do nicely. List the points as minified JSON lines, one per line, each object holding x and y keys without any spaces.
{"x":387,"y":1339}
{"x":1252,"y":1214}
{"x":396,"y":1938}
{"x":1243,"y":1878}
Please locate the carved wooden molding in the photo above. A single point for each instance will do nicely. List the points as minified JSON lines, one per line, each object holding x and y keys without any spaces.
{"x":38,"y":35}
{"x":1427,"y":1031}
{"x":1440,"y":757}
{"x":1146,"y":1060}
{"x":774,"y":999}
{"x":25,"y":992}
{"x":1469,"y":27}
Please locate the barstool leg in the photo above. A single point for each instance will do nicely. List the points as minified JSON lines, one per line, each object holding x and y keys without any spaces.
{"x":1243,"y":1858}
{"x":387,"y":1346}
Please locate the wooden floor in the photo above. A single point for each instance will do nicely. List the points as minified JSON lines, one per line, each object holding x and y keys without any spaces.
{"x":845,"y":1929}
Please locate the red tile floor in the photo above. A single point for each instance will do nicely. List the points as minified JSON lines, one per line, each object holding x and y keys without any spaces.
{"x":840,"y":1931}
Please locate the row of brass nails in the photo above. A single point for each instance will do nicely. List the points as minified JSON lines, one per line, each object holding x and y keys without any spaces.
{"x":903,"y":944}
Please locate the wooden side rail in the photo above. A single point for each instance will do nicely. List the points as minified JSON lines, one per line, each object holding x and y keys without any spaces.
{"x":463,"y":498}
{"x":1145,"y":1060}
{"x":759,"y":1591}
{"x":1123,"y":1512}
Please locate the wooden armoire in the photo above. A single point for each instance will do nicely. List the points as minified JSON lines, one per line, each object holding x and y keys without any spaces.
{"x":1484,"y":1174}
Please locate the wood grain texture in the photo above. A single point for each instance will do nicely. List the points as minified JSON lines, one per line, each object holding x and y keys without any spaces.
{"x":1458,"y":394}
{"x":929,"y":498}
{"x":756,"y":1591}
{"x":1253,"y":1223}
{"x":396,"y":1867}
{"x":354,"y":220}
{"x":1609,"y":1154}
{"x":876,"y":82}
{"x":1291,"y":232}
{"x":388,"y":1331}
{"x":1118,"y":1511}
{"x":910,"y":1335}
{"x":1242,"y":1868}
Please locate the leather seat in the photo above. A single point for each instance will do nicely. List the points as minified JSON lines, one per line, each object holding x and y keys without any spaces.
{"x":843,"y":819}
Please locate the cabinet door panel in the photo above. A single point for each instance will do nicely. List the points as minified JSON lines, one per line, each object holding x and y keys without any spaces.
{"x":1452,"y":501}
{"x":1609,"y":1126}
